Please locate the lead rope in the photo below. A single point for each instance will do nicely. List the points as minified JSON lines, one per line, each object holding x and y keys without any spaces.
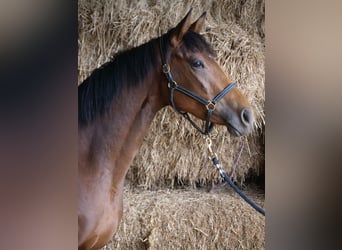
{"x":217,"y":164}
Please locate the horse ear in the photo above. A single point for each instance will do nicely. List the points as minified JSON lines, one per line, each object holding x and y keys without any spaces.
{"x":198,"y":24}
{"x":179,"y":31}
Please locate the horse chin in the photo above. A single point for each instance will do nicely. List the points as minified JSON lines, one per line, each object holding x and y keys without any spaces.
{"x":232,"y":130}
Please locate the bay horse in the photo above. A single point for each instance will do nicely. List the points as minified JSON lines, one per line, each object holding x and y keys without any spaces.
{"x":117,"y":103}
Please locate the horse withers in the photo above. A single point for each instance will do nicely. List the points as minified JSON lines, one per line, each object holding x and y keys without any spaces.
{"x":118,"y":102}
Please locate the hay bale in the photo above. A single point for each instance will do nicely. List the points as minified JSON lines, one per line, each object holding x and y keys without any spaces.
{"x":173,"y":153}
{"x":179,"y":156}
{"x":184,"y":219}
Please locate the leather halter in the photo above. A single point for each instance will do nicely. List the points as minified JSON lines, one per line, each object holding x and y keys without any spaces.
{"x":209,"y":104}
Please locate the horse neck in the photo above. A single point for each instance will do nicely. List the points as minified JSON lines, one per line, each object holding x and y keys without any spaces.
{"x":114,"y":139}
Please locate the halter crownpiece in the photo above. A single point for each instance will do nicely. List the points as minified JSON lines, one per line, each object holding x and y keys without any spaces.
{"x":209,"y":104}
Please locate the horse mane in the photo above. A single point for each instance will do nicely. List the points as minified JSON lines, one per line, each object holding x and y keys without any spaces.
{"x":126,"y":69}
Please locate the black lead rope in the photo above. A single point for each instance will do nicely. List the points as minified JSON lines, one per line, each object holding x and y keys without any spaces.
{"x":230,"y":182}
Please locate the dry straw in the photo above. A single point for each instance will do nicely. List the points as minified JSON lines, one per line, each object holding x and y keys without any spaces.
{"x":187,"y":219}
{"x":173,"y":153}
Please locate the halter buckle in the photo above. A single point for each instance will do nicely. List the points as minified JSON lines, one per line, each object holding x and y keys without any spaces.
{"x":166,"y":68}
{"x":210,"y":106}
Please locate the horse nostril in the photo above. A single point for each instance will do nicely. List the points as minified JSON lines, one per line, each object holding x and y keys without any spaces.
{"x":246,"y":116}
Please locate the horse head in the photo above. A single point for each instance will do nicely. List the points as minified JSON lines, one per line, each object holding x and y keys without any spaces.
{"x":192,"y":63}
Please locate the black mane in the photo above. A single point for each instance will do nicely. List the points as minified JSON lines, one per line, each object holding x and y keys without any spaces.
{"x":98,"y":91}
{"x":127,"y":69}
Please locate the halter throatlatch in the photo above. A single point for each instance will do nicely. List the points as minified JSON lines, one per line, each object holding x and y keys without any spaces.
{"x":209,"y":104}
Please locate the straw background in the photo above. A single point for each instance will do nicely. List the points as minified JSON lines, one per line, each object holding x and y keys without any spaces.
{"x":188,"y":219}
{"x":173,"y":154}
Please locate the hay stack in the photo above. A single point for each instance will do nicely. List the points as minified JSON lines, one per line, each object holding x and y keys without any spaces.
{"x":172,"y":152}
{"x":181,"y":219}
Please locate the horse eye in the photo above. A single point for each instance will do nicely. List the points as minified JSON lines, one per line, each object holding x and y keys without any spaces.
{"x":197,"y":64}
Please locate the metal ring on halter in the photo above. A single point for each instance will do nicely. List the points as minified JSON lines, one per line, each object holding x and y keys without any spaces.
{"x":210,"y":105}
{"x":172,"y":84}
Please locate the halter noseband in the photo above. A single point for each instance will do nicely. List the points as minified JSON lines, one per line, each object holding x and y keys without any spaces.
{"x":209,"y":104}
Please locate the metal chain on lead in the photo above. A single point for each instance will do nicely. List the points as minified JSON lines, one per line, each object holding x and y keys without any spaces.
{"x":209,"y":143}
{"x":213,"y":155}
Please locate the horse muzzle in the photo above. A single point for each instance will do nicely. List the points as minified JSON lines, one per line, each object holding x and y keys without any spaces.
{"x":240,"y":124}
